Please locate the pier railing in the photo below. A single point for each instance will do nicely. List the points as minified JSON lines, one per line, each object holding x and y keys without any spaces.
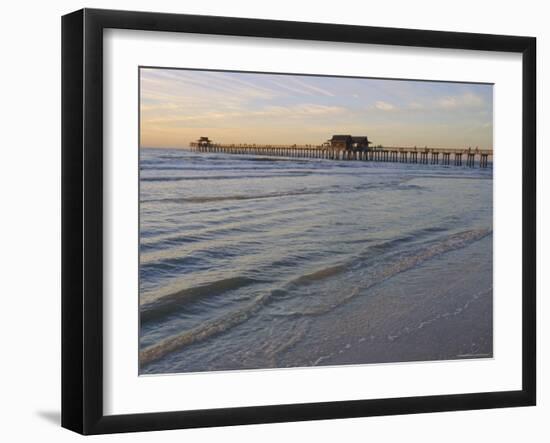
{"x":397,"y":154}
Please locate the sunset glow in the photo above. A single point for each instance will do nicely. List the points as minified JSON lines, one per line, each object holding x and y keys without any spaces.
{"x":178,"y":106}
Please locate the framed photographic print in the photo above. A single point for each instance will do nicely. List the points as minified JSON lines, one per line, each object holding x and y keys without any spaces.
{"x":270,"y":221}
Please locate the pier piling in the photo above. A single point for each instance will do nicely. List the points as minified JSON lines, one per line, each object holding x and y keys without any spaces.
{"x":458,"y":159}
{"x":378,"y":154}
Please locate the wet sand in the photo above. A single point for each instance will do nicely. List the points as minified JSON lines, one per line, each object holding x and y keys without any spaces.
{"x":399,"y":321}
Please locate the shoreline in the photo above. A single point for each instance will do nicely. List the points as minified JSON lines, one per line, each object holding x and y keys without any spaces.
{"x":400,"y":322}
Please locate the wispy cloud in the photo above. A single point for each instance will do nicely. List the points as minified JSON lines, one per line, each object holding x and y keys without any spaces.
{"x":208,"y":82}
{"x":160,"y":106}
{"x":466,"y":100}
{"x":289,"y":88}
{"x":307,"y":85}
{"x":291,"y":112}
{"x":297,"y":111}
{"x":385,"y":106}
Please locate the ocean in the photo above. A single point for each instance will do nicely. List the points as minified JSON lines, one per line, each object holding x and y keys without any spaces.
{"x":250,"y":262}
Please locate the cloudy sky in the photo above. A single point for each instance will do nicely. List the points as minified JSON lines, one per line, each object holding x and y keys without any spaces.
{"x":178,"y":106}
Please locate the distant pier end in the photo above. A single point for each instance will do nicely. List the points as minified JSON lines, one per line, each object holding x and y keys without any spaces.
{"x":349,"y":147}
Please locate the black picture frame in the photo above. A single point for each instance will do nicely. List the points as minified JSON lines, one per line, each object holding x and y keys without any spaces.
{"x":82,"y":219}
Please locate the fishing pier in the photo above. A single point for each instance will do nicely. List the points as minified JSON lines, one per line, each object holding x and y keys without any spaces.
{"x":346,"y":147}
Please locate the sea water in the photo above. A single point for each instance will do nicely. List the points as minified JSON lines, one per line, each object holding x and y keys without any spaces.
{"x":251,"y":262}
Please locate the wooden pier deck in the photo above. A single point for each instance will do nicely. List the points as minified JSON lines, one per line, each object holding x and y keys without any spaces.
{"x":433,"y":156}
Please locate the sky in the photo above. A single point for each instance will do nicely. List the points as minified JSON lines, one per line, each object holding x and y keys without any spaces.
{"x":178,"y":106}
